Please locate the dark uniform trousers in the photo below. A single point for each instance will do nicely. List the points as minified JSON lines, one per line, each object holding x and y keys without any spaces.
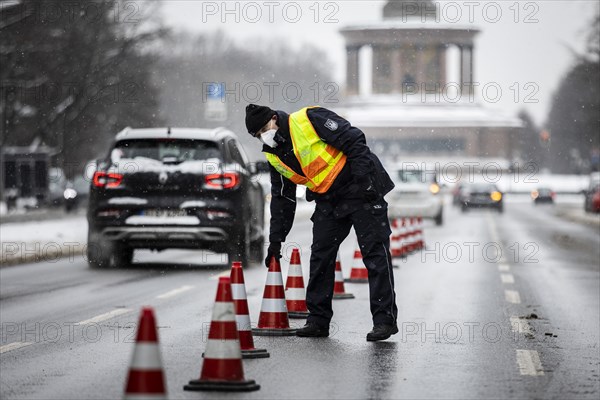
{"x":330,"y":227}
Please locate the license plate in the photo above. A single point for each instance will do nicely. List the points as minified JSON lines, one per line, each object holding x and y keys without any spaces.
{"x":164,"y":213}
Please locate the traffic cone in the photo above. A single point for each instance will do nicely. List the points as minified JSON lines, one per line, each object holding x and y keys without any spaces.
{"x":358,"y":273}
{"x":420,"y":239}
{"x":222,"y":367}
{"x":273,"y":319}
{"x":395,"y":239}
{"x":146,"y":378}
{"x":295,"y":295}
{"x":403,"y":238}
{"x":242,"y":314}
{"x":414,"y":236}
{"x":339,"y":291}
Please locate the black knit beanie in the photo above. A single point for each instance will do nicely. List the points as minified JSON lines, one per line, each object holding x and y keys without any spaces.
{"x":257,"y":117}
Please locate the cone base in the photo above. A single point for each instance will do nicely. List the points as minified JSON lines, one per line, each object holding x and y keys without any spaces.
{"x":224,"y":386}
{"x":274,"y":331}
{"x":354,"y":280}
{"x":298,"y":314}
{"x":255,"y":353}
{"x":340,"y":296}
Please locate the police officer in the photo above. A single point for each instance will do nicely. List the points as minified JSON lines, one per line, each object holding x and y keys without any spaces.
{"x":317,"y":148}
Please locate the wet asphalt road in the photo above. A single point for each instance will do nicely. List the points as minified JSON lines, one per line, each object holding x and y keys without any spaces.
{"x":498,"y":306}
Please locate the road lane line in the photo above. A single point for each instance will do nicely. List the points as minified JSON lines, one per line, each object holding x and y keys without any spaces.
{"x":520,"y":325}
{"x":105,"y":316}
{"x":223,"y":274}
{"x":503,"y":267}
{"x":493,"y":231}
{"x":507,"y":278}
{"x":512,"y":296}
{"x":175,"y":292}
{"x":13,"y":346}
{"x":529,"y":363}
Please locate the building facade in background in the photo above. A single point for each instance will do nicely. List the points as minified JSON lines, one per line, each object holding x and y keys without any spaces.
{"x":411,"y":87}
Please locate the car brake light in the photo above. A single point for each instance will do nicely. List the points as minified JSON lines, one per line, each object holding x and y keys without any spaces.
{"x":106,"y":179}
{"x":227,"y":180}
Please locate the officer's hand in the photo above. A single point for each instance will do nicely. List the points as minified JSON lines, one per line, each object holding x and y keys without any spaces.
{"x":274,"y":250}
{"x":367,"y":188}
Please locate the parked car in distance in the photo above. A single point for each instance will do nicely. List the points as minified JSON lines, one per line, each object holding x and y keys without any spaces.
{"x":592,"y":194}
{"x":165,"y":188}
{"x":417,"y":194}
{"x":543,"y":195}
{"x":482,"y":195}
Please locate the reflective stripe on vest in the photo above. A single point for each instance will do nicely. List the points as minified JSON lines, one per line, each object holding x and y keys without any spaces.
{"x":321,"y":163}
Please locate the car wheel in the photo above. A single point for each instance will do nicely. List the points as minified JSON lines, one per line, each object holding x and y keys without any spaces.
{"x":256,"y":250}
{"x":500,"y":210}
{"x":122,"y":255}
{"x":439,"y":219}
{"x":239,"y":249}
{"x":464,"y":208}
{"x":98,"y":251}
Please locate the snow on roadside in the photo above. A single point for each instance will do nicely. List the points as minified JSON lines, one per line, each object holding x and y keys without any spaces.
{"x":42,"y":240}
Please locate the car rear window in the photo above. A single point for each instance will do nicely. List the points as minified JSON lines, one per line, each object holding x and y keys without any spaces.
{"x":180,"y":149}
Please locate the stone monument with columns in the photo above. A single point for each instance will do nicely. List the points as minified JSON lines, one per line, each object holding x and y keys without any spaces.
{"x":417,"y":95}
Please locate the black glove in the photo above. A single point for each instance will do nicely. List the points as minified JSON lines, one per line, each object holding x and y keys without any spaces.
{"x":274,"y":250}
{"x":367,"y":188}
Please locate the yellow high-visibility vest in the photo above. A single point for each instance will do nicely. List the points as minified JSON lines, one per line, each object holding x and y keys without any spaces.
{"x":321,"y":163}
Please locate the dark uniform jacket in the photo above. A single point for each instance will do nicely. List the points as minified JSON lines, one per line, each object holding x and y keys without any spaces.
{"x":344,"y":195}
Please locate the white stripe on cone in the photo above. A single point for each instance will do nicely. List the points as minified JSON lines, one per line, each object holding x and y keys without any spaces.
{"x":295,"y":270}
{"x":146,"y":356}
{"x":223,"y":312}
{"x":238,"y":291}
{"x":295,"y":294}
{"x":222,"y":349}
{"x":273,"y":305}
{"x":274,"y":279}
{"x":338,"y":276}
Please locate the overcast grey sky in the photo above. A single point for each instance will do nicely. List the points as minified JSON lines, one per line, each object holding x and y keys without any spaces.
{"x":524,"y":43}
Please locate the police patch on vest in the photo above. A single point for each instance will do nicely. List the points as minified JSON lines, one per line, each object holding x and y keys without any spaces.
{"x":331,"y":125}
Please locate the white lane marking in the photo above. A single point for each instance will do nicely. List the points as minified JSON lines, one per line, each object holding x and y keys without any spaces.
{"x":520,"y":325}
{"x":105,"y":316}
{"x":507,"y":278}
{"x":529,"y":363}
{"x":223,"y":274}
{"x":13,"y":346}
{"x":174,"y":292}
{"x":512,"y":296}
{"x":503,"y":267}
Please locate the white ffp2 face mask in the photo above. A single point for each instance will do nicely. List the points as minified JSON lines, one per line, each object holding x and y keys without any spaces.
{"x":268,"y":138}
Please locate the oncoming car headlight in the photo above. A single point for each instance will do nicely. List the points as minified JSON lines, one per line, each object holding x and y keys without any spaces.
{"x":434,"y":188}
{"x":496,"y":196}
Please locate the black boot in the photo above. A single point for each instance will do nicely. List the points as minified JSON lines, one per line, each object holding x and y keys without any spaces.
{"x":381,"y":332}
{"x":313,"y":330}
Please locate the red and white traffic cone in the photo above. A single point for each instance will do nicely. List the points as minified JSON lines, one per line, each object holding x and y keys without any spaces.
{"x":403,"y":238}
{"x":415,"y":233}
{"x":410,"y":235}
{"x":339,"y":291}
{"x":395,"y":239}
{"x":222,"y":368}
{"x":420,"y":236}
{"x":242,"y":314}
{"x":146,"y":379}
{"x":295,"y":295}
{"x":358,"y":273}
{"x":273,"y":319}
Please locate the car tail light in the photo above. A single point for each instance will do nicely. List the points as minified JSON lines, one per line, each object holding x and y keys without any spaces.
{"x":109,"y":213}
{"x":228,"y":180}
{"x":217,"y":214}
{"x":107,"y":180}
{"x":553,"y":195}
